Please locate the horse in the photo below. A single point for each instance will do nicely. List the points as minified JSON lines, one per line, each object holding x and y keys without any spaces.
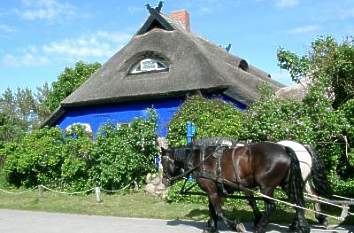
{"x":265,"y":165}
{"x":312,"y":169}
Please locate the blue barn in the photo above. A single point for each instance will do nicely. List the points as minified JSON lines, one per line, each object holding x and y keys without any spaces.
{"x":162,"y":64}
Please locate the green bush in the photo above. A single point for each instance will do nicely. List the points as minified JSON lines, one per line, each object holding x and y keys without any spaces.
{"x":78,"y":162}
{"x":125,"y":154}
{"x":212,"y":117}
{"x":36,"y":159}
{"x":313,"y":122}
{"x":74,"y":162}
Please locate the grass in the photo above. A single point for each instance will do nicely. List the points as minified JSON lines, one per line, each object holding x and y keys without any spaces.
{"x":134,"y":204}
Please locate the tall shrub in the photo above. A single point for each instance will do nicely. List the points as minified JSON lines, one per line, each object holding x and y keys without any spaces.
{"x":126,"y":153}
{"x":212,"y":117}
{"x":36,"y":159}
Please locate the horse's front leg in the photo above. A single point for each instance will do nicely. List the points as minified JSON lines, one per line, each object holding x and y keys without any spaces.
{"x":212,"y":224}
{"x":215,"y":201}
{"x":257,"y":214}
{"x":269,"y":209}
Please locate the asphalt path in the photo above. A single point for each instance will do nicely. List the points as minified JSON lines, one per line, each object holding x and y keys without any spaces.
{"x":15,"y":221}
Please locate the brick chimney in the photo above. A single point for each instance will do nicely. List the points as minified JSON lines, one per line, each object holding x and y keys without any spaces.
{"x":183,"y":17}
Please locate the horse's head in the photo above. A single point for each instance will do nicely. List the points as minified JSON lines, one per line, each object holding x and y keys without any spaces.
{"x":171,"y":167}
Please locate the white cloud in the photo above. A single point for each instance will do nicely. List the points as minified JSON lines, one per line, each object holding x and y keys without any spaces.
{"x":101,"y":44}
{"x":286,"y":3}
{"x":29,"y":57}
{"x":6,"y":28}
{"x":304,"y":29}
{"x":44,"y":9}
{"x":96,"y":46}
{"x":343,"y":14}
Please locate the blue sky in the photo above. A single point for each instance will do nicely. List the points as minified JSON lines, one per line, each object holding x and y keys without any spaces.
{"x":39,"y":38}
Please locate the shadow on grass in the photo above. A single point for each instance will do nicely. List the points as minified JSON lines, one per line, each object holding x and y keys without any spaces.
{"x":279,"y":221}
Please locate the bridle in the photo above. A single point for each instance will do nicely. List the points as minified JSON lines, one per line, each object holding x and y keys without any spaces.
{"x":189,"y":171}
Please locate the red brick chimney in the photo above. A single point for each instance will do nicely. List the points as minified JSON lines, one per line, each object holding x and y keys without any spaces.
{"x":183,"y":17}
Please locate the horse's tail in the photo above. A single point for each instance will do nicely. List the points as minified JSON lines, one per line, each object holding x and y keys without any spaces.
{"x":319,"y":179}
{"x":296,"y":183}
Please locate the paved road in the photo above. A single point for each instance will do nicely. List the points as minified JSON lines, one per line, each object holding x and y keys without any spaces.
{"x":14,"y":221}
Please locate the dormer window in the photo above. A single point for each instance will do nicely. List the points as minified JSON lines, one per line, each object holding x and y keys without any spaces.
{"x":149,"y":65}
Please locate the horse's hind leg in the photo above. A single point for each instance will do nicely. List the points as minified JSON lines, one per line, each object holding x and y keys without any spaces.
{"x":257,"y":214}
{"x":270,"y":207}
{"x":320,"y":218}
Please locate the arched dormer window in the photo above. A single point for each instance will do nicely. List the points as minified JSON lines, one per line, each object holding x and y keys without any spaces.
{"x":149,"y":64}
{"x":243,"y":65}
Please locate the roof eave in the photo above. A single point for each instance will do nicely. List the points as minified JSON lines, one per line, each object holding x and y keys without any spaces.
{"x":177,"y":93}
{"x":54,"y":117}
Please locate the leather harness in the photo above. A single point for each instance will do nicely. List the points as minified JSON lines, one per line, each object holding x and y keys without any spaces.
{"x":216,"y":175}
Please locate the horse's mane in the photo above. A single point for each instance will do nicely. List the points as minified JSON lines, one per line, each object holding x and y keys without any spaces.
{"x":215,"y":141}
{"x":181,"y":153}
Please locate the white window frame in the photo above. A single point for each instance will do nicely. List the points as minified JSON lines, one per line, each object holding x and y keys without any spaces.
{"x":143,"y":69}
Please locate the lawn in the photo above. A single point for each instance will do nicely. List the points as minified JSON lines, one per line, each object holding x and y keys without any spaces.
{"x":133,"y":204}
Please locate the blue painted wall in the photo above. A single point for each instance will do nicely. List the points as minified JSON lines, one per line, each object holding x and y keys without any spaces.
{"x":124,"y":113}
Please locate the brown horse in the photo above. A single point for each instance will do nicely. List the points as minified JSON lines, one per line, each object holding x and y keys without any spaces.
{"x":265,"y":165}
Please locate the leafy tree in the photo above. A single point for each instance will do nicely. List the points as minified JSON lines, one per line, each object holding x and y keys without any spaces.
{"x":18,"y":112}
{"x":328,"y":63}
{"x":41,"y":96}
{"x":69,"y":80}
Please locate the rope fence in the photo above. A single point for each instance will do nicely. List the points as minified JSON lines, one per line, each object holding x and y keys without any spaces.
{"x":96,"y":190}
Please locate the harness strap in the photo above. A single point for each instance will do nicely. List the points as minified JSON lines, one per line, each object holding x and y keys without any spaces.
{"x":237,"y":178}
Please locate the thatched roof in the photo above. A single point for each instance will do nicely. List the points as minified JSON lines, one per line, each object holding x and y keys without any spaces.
{"x":294,"y":92}
{"x":194,"y":64}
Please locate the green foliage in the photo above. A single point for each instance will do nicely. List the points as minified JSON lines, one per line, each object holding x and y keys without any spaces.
{"x":21,"y":111}
{"x":347,"y":111}
{"x":78,"y":162}
{"x":10,"y":129}
{"x":36,"y":159}
{"x":74,"y":162}
{"x":328,"y":64}
{"x":211,"y":117}
{"x":68,"y":81}
{"x":297,"y":66}
{"x":125,"y":154}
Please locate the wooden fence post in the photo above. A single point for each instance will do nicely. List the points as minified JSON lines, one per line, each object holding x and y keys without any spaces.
{"x":98,"y":194}
{"x":40,"y":190}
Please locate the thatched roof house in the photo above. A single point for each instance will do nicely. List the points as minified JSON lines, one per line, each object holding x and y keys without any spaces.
{"x":165,"y":60}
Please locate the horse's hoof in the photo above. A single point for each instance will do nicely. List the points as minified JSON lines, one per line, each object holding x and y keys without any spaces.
{"x":293,"y":227}
{"x":299,"y":229}
{"x":324,"y":222}
{"x":303,"y":230}
{"x":210,"y":230}
{"x":260,"y":230}
{"x":239,"y":227}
